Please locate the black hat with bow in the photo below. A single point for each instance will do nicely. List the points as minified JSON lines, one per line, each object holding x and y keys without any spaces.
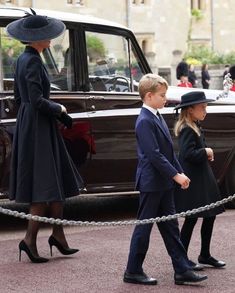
{"x":193,"y":98}
{"x":34,"y":28}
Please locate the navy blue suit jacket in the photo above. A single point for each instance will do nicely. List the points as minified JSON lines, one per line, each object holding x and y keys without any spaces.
{"x":157,"y":162}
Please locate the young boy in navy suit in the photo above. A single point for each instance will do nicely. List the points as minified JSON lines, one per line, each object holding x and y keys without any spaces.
{"x":158,"y":170}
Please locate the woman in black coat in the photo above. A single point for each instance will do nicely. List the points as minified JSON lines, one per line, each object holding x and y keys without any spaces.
{"x":195,"y":158}
{"x":192,"y":76}
{"x":42,"y":173}
{"x":205,"y":76}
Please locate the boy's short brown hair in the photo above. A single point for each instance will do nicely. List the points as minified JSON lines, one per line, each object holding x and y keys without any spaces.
{"x":150,"y":83}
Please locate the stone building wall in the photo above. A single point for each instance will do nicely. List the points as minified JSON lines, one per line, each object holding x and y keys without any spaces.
{"x":158,"y":25}
{"x":161,"y":27}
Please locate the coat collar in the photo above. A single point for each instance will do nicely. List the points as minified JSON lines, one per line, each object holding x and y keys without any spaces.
{"x":152,"y":110}
{"x":29,"y":49}
{"x":148,"y":112}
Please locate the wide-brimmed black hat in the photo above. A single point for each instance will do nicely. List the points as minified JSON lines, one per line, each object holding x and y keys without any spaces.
{"x":193,"y":98}
{"x":232,"y":71}
{"x":35,"y":28}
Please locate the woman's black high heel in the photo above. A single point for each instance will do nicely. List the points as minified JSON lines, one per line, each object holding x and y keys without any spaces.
{"x":36,"y":259}
{"x":66,"y":251}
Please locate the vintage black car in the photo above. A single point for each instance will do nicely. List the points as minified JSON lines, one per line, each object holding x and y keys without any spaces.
{"x":94,"y":68}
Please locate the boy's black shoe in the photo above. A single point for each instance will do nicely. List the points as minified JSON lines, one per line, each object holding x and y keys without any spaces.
{"x":196,"y":266}
{"x":142,"y":279}
{"x":188,"y":277}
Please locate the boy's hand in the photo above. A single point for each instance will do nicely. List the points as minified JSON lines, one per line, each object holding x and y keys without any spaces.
{"x":210,"y":154}
{"x":182,"y":180}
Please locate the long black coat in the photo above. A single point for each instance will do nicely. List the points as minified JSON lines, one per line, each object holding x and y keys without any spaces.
{"x":205,"y":77}
{"x":41,"y":169}
{"x":203,"y":187}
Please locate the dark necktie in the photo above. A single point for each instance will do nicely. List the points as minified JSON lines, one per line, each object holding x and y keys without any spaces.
{"x":158,"y":116}
{"x":160,"y":119}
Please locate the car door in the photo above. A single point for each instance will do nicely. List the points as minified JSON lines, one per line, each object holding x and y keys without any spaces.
{"x":112,"y":105}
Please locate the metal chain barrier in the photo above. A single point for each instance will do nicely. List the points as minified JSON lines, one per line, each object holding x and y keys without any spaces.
{"x":115,"y":223}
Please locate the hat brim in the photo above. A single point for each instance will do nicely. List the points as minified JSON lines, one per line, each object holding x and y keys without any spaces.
{"x":183,"y":105}
{"x":51,"y":31}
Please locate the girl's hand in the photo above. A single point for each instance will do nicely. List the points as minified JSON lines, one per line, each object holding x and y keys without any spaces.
{"x":210,"y":154}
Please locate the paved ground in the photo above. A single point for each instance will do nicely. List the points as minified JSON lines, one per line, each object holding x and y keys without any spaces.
{"x":98,"y":266}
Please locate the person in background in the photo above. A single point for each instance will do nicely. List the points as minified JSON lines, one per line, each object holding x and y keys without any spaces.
{"x":8,"y":63}
{"x":182,"y":73}
{"x":182,"y":67}
{"x":192,"y":78}
{"x":157,"y":172}
{"x":226,"y":70}
{"x":232,"y":76}
{"x":195,"y":158}
{"x":205,"y":76}
{"x":42,"y":172}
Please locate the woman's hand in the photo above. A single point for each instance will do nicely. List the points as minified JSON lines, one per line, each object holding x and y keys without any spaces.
{"x":63,"y":109}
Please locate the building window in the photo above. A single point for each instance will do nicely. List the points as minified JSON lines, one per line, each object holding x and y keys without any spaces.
{"x":197,"y":4}
{"x":79,"y":2}
{"x":8,"y":2}
{"x":139,"y":2}
{"x":144,"y":46}
{"x":75,"y":2}
{"x":146,"y":42}
{"x":200,"y":6}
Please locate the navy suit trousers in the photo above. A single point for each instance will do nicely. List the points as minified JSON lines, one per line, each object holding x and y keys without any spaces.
{"x":152,"y":205}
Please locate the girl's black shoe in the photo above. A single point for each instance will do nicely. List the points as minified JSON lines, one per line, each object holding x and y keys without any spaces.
{"x":211,"y":261}
{"x":66,"y":251}
{"x":36,"y":259}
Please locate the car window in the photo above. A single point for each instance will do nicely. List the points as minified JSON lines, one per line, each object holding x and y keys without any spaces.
{"x":112,"y":64}
{"x":57,"y":60}
{"x":10,"y":49}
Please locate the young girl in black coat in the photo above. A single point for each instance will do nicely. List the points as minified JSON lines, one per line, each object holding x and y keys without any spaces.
{"x":195,"y":158}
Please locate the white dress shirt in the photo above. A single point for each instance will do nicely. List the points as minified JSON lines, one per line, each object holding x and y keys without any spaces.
{"x":154,"y":111}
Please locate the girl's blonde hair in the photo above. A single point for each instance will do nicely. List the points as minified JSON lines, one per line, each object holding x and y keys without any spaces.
{"x":150,"y":83}
{"x":183,"y":121}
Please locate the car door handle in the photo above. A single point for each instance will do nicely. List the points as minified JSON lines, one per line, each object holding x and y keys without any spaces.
{"x":7,"y":98}
{"x":96,"y":98}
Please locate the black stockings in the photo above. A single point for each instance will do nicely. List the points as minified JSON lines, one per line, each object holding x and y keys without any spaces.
{"x":33,"y":226}
{"x":56,"y":211}
{"x":206,"y":233}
